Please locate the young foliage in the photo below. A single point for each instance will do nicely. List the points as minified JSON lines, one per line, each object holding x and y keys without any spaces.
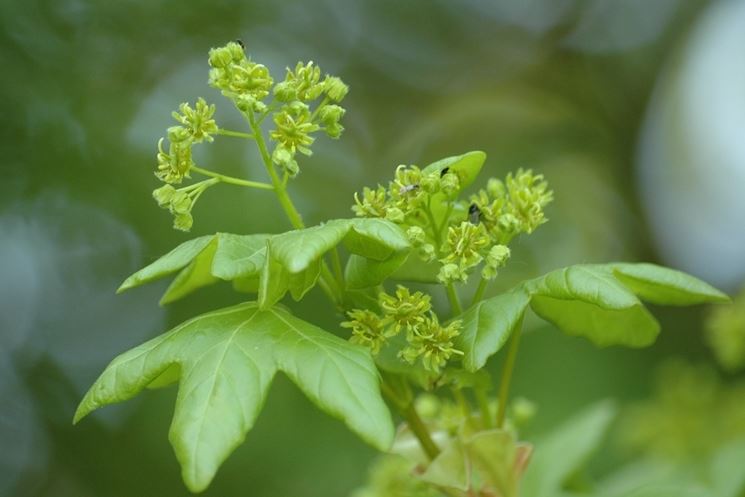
{"x":203,"y":261}
{"x":294,"y":259}
{"x":599,"y":302}
{"x":227,"y":360}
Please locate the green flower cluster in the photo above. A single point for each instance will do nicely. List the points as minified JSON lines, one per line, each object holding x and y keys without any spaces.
{"x":295,"y":122}
{"x":426,"y":338}
{"x":725,"y":333}
{"x":239,"y":78}
{"x":248,"y":84}
{"x":196,"y":125}
{"x":180,"y":202}
{"x":514,"y":206}
{"x":460,"y":234}
{"x":406,"y":199}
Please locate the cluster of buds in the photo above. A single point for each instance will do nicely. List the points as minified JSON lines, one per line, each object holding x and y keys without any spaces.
{"x":247,"y":84}
{"x":180,"y":202}
{"x":196,"y":125}
{"x":411,"y":313}
{"x":295,"y":122}
{"x":406,"y":198}
{"x":513,"y":207}
{"x":472,"y":232}
{"x":239,"y":78}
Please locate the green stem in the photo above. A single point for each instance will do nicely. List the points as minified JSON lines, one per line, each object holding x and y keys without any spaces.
{"x":419,"y":429}
{"x":509,"y":366}
{"x":480,"y":290}
{"x":231,"y":180}
{"x":453,"y":298}
{"x":398,"y":392}
{"x":325,"y":100}
{"x":280,"y":189}
{"x":284,"y":199}
{"x":455,"y":305}
{"x":464,"y":406}
{"x":483,"y":402}
{"x":237,"y":134}
{"x":336,"y":264}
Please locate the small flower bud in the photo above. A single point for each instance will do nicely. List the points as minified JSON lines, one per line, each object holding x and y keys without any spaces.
{"x":495,"y":259}
{"x":335,"y":88}
{"x":450,"y":272}
{"x":450,"y":184}
{"x":285,"y":91}
{"x":222,"y":57}
{"x":183,"y":221}
{"x":285,"y":159}
{"x":178,"y":134}
{"x":395,"y":215}
{"x":164,"y":195}
{"x":416,"y":235}
{"x":430,"y":183}
{"x":180,"y":203}
{"x":427,"y":252}
{"x":330,"y":114}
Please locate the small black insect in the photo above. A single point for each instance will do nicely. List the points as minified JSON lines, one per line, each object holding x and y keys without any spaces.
{"x":444,"y":171}
{"x":240,"y":42}
{"x":474,"y":214}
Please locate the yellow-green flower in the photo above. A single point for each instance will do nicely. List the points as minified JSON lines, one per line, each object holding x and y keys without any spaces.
{"x":405,"y":309}
{"x":237,"y":76}
{"x":368,"y":329}
{"x":372,"y":204}
{"x":198,"y":121}
{"x":432,"y":343}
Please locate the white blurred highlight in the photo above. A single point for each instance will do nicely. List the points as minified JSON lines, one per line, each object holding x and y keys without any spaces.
{"x":692,"y":152}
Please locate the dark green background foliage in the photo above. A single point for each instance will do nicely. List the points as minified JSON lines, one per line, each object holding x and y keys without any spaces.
{"x":88,"y":86}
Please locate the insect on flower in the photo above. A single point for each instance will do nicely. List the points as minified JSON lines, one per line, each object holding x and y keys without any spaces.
{"x":407,"y":188}
{"x":474,"y":214}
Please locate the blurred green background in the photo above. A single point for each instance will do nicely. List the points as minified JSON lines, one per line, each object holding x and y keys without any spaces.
{"x":634,"y":111}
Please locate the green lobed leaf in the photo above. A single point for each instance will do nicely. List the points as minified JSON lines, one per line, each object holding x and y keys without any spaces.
{"x":203,"y":261}
{"x":566,"y":449}
{"x":586,"y":300}
{"x":293,"y":261}
{"x":598,"y":302}
{"x":226,"y":360}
